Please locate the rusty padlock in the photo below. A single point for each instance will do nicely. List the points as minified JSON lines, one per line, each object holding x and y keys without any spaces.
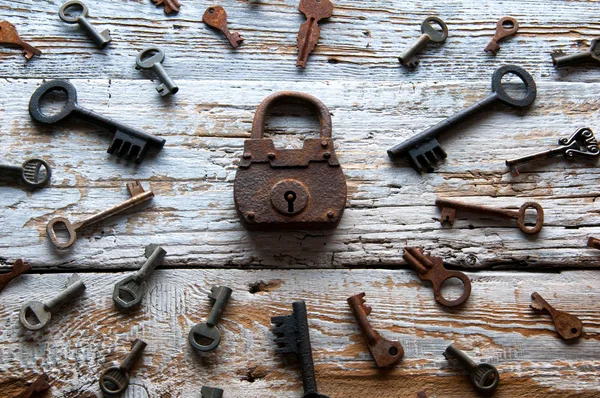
{"x":278,"y":189}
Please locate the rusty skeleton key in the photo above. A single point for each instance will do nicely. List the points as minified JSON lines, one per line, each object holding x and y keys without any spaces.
{"x":170,"y":5}
{"x":309,"y":32}
{"x":39,"y":385}
{"x":18,"y":268}
{"x":9,"y":35}
{"x":507,"y":26}
{"x":384,"y":352}
{"x":216,"y":17}
{"x":568,"y":326}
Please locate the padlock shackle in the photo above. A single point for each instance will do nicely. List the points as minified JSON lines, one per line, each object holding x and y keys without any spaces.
{"x":262,"y":112}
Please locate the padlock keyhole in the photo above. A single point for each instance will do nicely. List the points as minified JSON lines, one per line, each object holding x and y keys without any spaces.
{"x":290,"y":197}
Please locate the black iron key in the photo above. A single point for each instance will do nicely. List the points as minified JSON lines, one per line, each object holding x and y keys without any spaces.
{"x":33,"y":173}
{"x":424,"y":150}
{"x":484,"y":376}
{"x":560,"y":60}
{"x":211,"y":392}
{"x":128,"y":142}
{"x":208,"y":331}
{"x":115,"y":380}
{"x":292,"y":337}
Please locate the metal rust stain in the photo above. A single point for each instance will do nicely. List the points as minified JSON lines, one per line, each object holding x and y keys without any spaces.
{"x":170,"y":5}
{"x":9,"y":35}
{"x":568,"y":326}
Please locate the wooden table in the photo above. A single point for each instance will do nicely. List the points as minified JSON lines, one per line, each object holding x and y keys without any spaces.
{"x":374,"y":103}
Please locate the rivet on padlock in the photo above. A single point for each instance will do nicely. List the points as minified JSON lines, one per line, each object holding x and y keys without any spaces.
{"x":278,"y":189}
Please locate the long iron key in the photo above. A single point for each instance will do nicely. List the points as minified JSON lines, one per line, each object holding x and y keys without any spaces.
{"x":34,"y":173}
{"x":560,"y":60}
{"x":100,"y":38}
{"x":19,"y":268}
{"x":384,"y":352}
{"x":128,"y":142}
{"x":211,"y":392}
{"x":483,"y":376}
{"x":39,"y":385}
{"x":449,"y":208}
{"x":9,"y":35}
{"x":506,"y":26}
{"x":216,"y":17}
{"x":568,"y":326}
{"x":208,"y":331}
{"x":128,"y":293}
{"x":581,"y":143}
{"x":152,"y":58}
{"x":424,"y":150}
{"x":35,"y":314}
{"x":115,"y":380}
{"x":309,"y":32}
{"x":138,"y":196}
{"x":292,"y":337}
{"x":169,"y":5}
{"x":429,"y":34}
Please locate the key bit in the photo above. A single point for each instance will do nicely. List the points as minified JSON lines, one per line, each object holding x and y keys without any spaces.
{"x":384,"y":352}
{"x":35,"y":314}
{"x":581,"y":143}
{"x":209,"y":331}
{"x":568,"y":326}
{"x":483,"y":376}
{"x":432,"y":269}
{"x":115,"y":380}
{"x":100,"y":38}
{"x":560,"y":60}
{"x":429,"y":34}
{"x":507,"y":26}
{"x":152,"y":58}
{"x":308,"y":35}
{"x":211,"y":392}
{"x":216,"y":17}
{"x":39,"y":385}
{"x":170,"y":5}
{"x":19,"y":267}
{"x":9,"y":35}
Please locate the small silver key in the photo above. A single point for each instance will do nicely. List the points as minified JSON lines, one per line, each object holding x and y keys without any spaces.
{"x":35,"y":314}
{"x":152,"y":58}
{"x":483,"y":376}
{"x":128,"y":293}
{"x":209,"y":330}
{"x":33,"y":173}
{"x":560,"y":60}
{"x":100,"y":38}
{"x":430,"y":34}
{"x":115,"y":380}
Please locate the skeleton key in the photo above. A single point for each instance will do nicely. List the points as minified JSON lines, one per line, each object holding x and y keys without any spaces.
{"x":292,"y":337}
{"x":128,"y":292}
{"x":560,"y":60}
{"x":483,"y":376}
{"x":424,"y":150}
{"x":35,"y":314}
{"x":449,"y":208}
{"x":429,"y":34}
{"x":19,"y":268}
{"x":582,"y":143}
{"x":34,"y":173}
{"x":209,"y":329}
{"x":100,"y":38}
{"x":115,"y":380}
{"x":154,"y":62}
{"x":432,"y":269}
{"x":211,"y":392}
{"x":39,"y":385}
{"x":568,"y":326}
{"x":216,"y":17}
{"x":9,"y":35}
{"x":309,"y":32}
{"x":170,"y":5}
{"x":128,"y":142}
{"x":507,"y":26}
{"x":138,"y":196}
{"x":384,"y":352}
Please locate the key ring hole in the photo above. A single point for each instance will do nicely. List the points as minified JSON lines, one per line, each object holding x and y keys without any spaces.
{"x":514,"y":86}
{"x":508,"y":24}
{"x":393,"y":351}
{"x":574,"y":330}
{"x":53,"y":102}
{"x":71,"y":11}
{"x":452,"y":288}
{"x":211,"y":10}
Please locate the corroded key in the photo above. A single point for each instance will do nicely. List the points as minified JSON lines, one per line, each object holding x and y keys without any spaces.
{"x":209,"y":331}
{"x":216,"y":17}
{"x":568,"y":326}
{"x":39,"y":385}
{"x":19,"y":268}
{"x":170,"y":5}
{"x":115,"y":380}
{"x":429,"y":34}
{"x":34,"y":173}
{"x":581,"y":143}
{"x":384,"y":352}
{"x":483,"y":376}
{"x":593,"y":242}
{"x":100,"y":38}
{"x":138,"y":196}
{"x":507,"y":26}
{"x":128,"y":293}
{"x":35,"y":314}
{"x":9,"y":35}
{"x":309,"y":32}
{"x":560,"y":60}
{"x":152,"y":58}
{"x":211,"y":392}
{"x":449,"y":208}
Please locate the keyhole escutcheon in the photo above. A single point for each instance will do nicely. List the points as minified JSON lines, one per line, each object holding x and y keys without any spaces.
{"x":290,"y":197}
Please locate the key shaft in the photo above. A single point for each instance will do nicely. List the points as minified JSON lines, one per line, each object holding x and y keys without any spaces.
{"x":561,"y":60}
{"x":221,"y":295}
{"x":74,"y":289}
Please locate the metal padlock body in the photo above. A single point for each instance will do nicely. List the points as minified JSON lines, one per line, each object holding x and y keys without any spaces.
{"x":311,"y":178}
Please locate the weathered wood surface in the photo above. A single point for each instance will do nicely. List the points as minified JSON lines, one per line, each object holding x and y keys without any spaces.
{"x":496,"y":325}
